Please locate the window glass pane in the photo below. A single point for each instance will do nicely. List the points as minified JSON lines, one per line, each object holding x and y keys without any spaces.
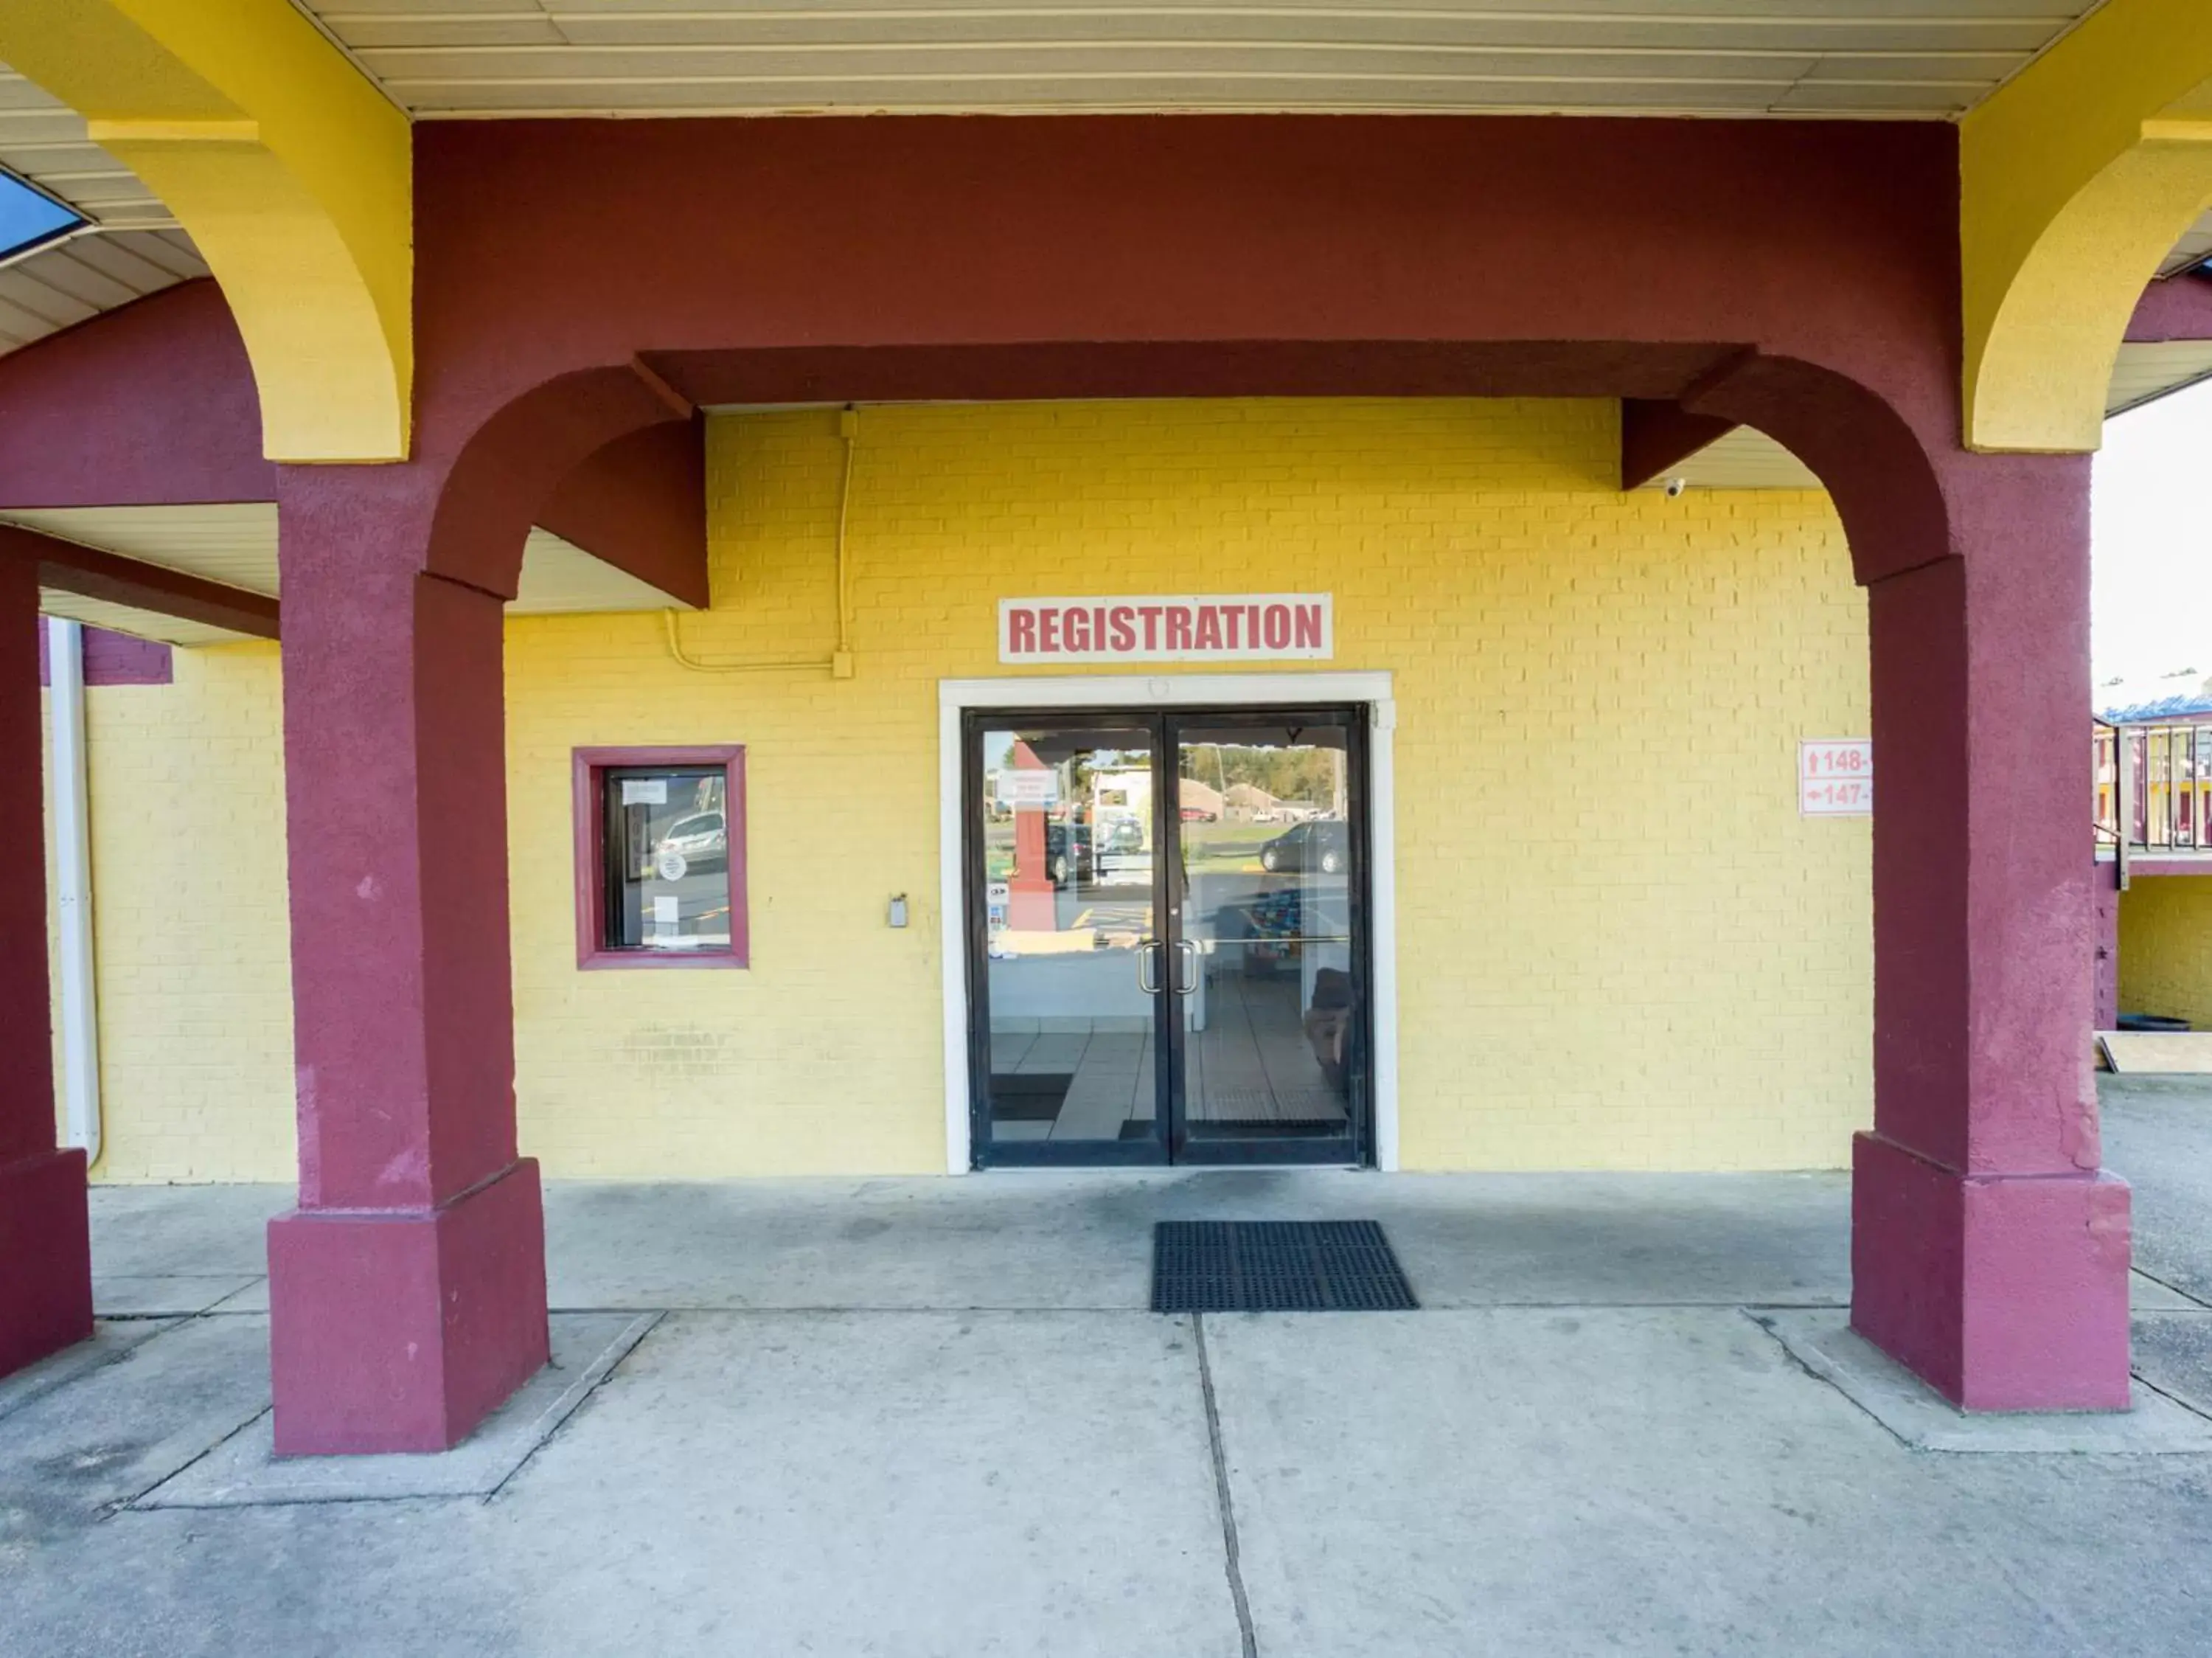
{"x":668,"y":858}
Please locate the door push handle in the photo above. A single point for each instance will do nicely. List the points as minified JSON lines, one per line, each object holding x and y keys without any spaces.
{"x":1188,"y":952}
{"x":1149,"y":982}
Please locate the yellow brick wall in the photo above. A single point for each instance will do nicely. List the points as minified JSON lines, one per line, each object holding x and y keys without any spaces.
{"x":1619,"y":945}
{"x":190,"y":932}
{"x":2166,"y":947}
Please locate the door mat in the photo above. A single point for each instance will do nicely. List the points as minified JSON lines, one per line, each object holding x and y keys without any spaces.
{"x":1029,"y":1096}
{"x":1276,"y":1266}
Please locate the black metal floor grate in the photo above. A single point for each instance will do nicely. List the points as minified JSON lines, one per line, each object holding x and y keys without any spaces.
{"x":1276,"y":1266}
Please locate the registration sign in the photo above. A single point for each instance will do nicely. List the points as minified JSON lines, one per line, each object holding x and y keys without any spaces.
{"x":1234,"y":627}
{"x":1835,"y":777}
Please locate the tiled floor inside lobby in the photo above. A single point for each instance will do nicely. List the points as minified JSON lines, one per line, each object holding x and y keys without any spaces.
{"x":1252,"y":1064}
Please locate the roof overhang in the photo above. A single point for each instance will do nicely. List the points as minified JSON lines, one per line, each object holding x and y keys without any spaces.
{"x":207,"y":573}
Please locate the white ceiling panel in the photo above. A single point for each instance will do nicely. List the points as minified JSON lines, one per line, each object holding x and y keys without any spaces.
{"x":236,"y":545}
{"x":65,"y":282}
{"x":2146,"y":373}
{"x":139,"y":624}
{"x":1743,"y":460}
{"x":1931,"y":58}
{"x":1749,"y":460}
{"x":559,"y":578}
{"x":42,"y":139}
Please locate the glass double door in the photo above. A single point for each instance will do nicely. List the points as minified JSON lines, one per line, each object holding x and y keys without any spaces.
{"x":1167,"y":931}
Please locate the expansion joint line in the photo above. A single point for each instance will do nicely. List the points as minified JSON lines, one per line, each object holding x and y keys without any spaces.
{"x":1221,"y":1491}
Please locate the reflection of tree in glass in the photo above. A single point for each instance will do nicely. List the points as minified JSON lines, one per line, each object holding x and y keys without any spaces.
{"x":1302,"y":771}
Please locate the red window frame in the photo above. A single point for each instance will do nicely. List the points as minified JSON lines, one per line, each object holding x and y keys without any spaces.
{"x":590,"y":767}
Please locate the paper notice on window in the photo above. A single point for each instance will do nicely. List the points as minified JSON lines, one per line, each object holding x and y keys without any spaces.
{"x":665,"y":917}
{"x":645,"y":791}
{"x":1028,"y":790}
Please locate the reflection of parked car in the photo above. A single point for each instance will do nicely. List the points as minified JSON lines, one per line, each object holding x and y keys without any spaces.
{"x":1067,"y":852}
{"x":701,"y":841}
{"x":1324,"y":844}
{"x":1198,"y":814}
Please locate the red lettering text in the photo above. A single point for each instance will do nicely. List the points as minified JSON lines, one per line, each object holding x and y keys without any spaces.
{"x":1151,"y":615}
{"x":1308,"y":627}
{"x":1179,"y":628}
{"x":1049,"y":629}
{"x":1075,"y":628}
{"x":1231,"y":617}
{"x":1277,"y":618}
{"x":1125,"y":635}
{"x":1209,"y":627}
{"x":1021,"y":630}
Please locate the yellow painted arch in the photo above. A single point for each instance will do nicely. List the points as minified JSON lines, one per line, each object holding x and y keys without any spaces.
{"x":293,"y":174}
{"x":2076,"y":179}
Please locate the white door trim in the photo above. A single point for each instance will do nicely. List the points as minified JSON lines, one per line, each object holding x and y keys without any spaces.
{"x":1171,"y":690}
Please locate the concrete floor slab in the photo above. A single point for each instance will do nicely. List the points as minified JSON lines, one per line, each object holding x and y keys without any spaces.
{"x":1584,"y":1445}
{"x":245,"y":1471}
{"x":121,"y":1429}
{"x":2158,"y":1137}
{"x":1061,"y":1240}
{"x":1825,"y":1344}
{"x":2146,"y":1294}
{"x":110,"y":1341}
{"x":159,"y":1231}
{"x":1657,"y":1481}
{"x":2173,"y":1354}
{"x":169,"y":1295}
{"x":915,"y":1484}
{"x":252,"y":1298}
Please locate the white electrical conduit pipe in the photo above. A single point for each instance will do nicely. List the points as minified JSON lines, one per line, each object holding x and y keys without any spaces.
{"x":840,"y":660}
{"x":77,"y":992}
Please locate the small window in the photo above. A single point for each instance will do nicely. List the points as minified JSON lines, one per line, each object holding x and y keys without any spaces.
{"x":661,"y":858}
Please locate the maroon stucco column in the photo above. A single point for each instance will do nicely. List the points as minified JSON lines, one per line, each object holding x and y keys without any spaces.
{"x":1989,"y":1252}
{"x":408,"y":1289}
{"x":45,"y":1259}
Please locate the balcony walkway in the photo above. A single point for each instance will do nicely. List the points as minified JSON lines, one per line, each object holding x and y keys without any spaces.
{"x":931,"y":1416}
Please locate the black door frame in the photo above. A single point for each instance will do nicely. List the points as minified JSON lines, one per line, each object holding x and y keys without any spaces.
{"x":1170,"y":1142}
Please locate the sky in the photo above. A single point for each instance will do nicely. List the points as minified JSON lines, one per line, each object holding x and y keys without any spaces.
{"x":26,"y":215}
{"x":2151,"y":541}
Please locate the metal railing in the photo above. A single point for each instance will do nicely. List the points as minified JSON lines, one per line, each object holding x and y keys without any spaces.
{"x":2153,"y":788}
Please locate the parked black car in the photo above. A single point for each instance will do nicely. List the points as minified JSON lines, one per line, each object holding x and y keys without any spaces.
{"x":1324,"y":843}
{"x":1068,"y":852}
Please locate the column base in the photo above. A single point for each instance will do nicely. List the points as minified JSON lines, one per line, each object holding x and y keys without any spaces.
{"x":2003,"y":1292}
{"x":402,"y":1331}
{"x":46,"y":1257}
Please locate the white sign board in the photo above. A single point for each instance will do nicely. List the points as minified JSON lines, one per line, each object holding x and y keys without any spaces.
{"x":1835,"y":778}
{"x":645,"y":791}
{"x":1235,"y":627}
{"x":1028,"y":790}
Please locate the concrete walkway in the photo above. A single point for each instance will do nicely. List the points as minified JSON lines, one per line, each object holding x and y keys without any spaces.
{"x":931,"y":1416}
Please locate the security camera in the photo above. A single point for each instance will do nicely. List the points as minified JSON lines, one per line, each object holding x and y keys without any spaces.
{"x":1675,"y":486}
